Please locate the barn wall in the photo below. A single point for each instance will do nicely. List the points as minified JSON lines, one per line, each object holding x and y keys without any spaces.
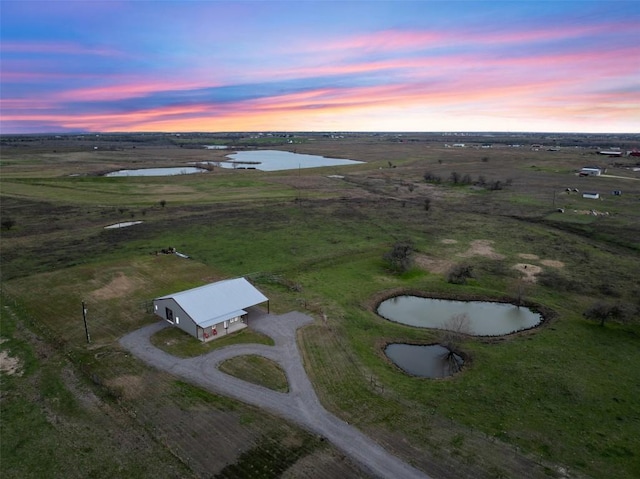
{"x":185,"y":322}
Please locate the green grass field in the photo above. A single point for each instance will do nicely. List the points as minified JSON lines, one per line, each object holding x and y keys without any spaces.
{"x":562,"y":397}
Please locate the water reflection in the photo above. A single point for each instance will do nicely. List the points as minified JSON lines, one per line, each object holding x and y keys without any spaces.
{"x":479,"y":318}
{"x":274,"y":160}
{"x":183,"y":170}
{"x":432,"y":361}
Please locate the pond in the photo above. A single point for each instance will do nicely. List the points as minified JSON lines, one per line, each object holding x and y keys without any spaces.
{"x":181,"y":170}
{"x":274,"y":160}
{"x":432,"y":361}
{"x":124,"y":224}
{"x":478,"y":318}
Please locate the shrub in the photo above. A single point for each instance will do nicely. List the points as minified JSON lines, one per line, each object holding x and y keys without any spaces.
{"x":8,"y":223}
{"x":554,"y":280}
{"x":432,"y":178}
{"x":459,"y":273}
{"x":602,"y":312}
{"x":400,"y":258}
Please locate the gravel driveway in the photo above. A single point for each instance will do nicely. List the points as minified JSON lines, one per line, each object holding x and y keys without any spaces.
{"x":300,"y":405}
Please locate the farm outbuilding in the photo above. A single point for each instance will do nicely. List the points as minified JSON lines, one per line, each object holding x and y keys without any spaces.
{"x":590,"y":171}
{"x":591,"y":196}
{"x":610,"y":152}
{"x":212,"y":310}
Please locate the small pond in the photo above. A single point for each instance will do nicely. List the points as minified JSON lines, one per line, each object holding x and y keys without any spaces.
{"x":432,"y":361}
{"x":181,"y":170}
{"x":274,"y":160}
{"x":478,"y":318}
{"x":124,"y":224}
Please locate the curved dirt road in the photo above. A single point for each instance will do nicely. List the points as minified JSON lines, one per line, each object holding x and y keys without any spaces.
{"x":300,"y":405}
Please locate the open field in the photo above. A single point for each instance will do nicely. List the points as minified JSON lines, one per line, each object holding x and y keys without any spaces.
{"x":557,"y":401}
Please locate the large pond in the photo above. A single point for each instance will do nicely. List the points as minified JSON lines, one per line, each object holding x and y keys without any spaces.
{"x":433,"y":361}
{"x":274,"y":160}
{"x":478,"y":318}
{"x":182,"y":170}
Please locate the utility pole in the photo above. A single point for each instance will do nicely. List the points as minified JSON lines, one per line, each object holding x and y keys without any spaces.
{"x":84,"y":318}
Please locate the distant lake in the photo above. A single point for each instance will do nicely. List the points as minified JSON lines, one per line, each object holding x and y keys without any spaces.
{"x":273,"y":160}
{"x":182,"y":170}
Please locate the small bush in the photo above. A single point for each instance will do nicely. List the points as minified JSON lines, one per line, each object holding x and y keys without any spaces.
{"x":8,"y":223}
{"x":432,"y":178}
{"x":400,"y":258}
{"x":602,"y":312}
{"x":554,"y":280}
{"x":459,"y":273}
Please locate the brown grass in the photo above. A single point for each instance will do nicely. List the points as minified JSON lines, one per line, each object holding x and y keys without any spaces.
{"x":130,"y":386}
{"x":433,"y":265}
{"x":481,"y":247}
{"x":552,"y":263}
{"x":528,"y":271}
{"x":118,"y":287}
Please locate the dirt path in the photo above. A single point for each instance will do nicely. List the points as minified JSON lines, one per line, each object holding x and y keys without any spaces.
{"x":300,"y":404}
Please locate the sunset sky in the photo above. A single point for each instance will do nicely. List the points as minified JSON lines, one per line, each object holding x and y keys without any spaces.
{"x":550,"y":66}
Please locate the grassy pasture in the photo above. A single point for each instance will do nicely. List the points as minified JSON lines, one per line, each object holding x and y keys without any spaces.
{"x":258,"y":370}
{"x":531,"y":405}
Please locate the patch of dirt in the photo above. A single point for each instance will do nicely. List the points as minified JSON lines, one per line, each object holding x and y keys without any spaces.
{"x":9,"y":364}
{"x":433,"y":265}
{"x":529,"y":271}
{"x":85,"y":396}
{"x":481,"y":247}
{"x":528,"y":256}
{"x":449,"y":241}
{"x":119,"y":286}
{"x":131,"y":387}
{"x":552,"y":263}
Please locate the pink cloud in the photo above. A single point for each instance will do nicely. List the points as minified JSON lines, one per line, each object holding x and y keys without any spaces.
{"x":394,"y":40}
{"x":64,"y":48}
{"x":125,"y":90}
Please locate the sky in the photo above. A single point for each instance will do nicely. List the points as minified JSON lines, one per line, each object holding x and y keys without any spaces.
{"x":263,"y":65}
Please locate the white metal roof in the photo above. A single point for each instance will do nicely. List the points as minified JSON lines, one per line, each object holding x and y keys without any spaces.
{"x":216,"y":302}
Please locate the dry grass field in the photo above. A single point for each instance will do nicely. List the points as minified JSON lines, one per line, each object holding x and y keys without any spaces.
{"x":557,"y":401}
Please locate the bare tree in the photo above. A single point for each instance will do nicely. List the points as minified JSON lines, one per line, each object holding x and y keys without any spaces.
{"x":458,"y":323}
{"x":455,"y":328}
{"x":602,"y":312}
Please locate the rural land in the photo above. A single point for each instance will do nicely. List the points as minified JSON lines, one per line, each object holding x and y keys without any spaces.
{"x":550,"y":222}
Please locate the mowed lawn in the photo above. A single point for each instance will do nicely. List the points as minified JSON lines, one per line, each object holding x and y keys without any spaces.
{"x":563,"y":397}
